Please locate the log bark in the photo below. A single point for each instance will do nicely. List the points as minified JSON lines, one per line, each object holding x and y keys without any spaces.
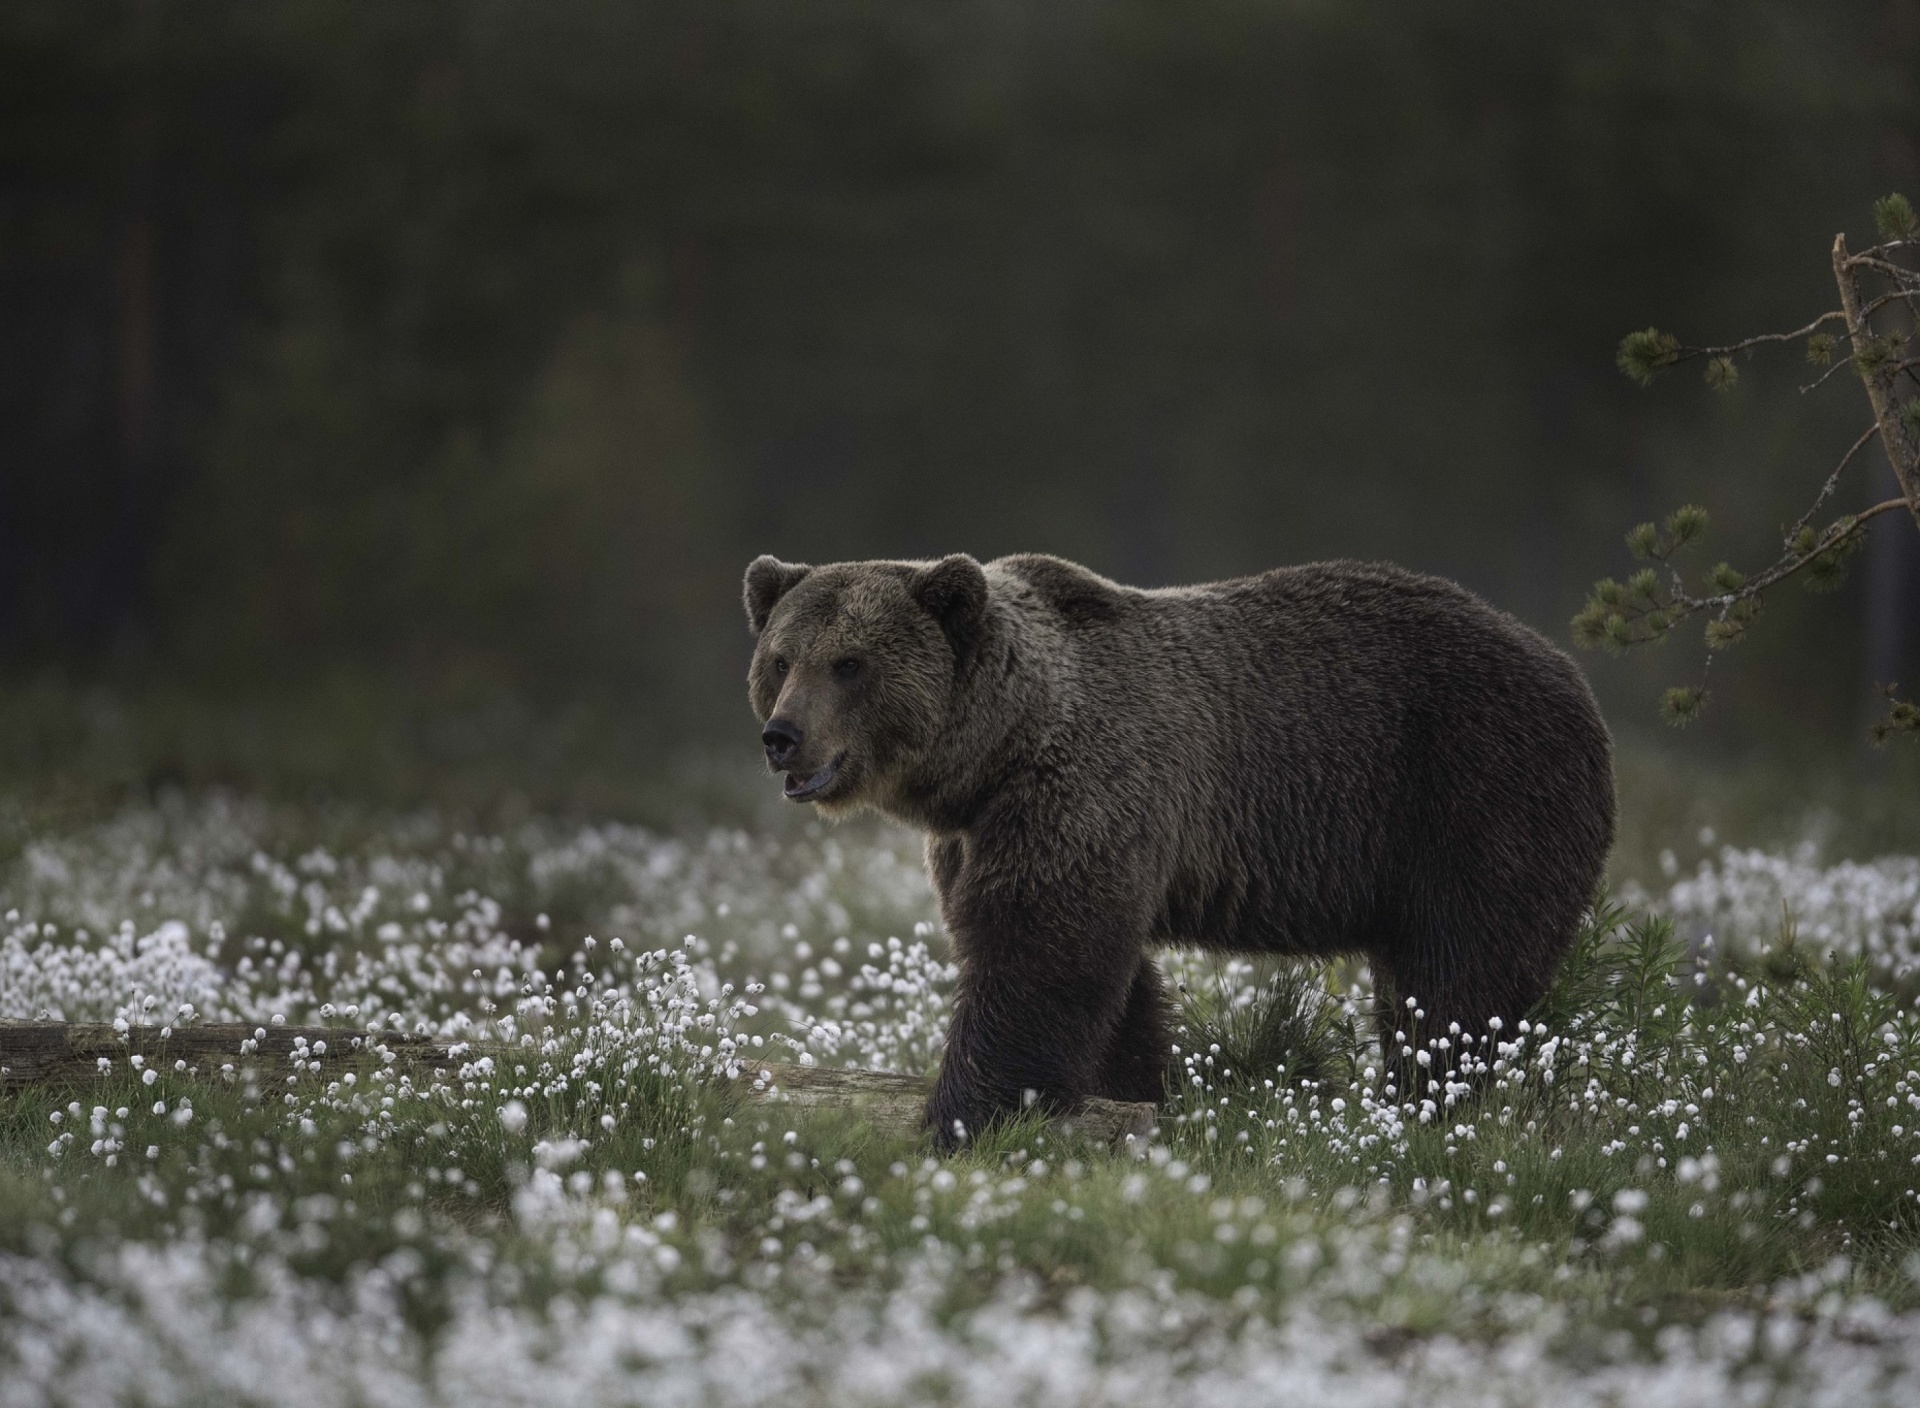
{"x":73,"y":1053}
{"x":38,"y":1053}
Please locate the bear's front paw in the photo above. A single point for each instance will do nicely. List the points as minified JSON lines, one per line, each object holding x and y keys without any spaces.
{"x":954,"y":1119}
{"x":957,"y":1114}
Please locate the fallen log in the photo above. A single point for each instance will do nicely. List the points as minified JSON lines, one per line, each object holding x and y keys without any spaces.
{"x":42,"y":1053}
{"x":71,"y":1053}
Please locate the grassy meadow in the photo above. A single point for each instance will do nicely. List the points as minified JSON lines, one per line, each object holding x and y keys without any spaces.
{"x":1694,"y":1176}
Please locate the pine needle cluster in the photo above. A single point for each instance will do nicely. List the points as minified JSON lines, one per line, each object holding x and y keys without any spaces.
{"x":1645,"y":607}
{"x":1903,"y":716}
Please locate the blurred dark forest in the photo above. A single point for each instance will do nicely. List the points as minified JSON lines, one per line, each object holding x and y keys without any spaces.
{"x":407,"y":385}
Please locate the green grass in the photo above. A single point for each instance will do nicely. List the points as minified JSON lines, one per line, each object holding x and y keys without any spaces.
{"x":1678,"y":1135}
{"x":1492,"y":1181}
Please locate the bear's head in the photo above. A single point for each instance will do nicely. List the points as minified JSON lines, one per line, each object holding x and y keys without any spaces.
{"x":855,"y":667}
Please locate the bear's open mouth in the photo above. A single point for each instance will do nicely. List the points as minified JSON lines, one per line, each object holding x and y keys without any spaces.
{"x":801,"y":789}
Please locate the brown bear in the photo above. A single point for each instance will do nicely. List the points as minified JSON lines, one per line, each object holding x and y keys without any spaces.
{"x":1335,"y":758}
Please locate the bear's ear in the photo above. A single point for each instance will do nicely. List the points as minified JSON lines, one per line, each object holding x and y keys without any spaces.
{"x":769,"y":579}
{"x":954,"y":592}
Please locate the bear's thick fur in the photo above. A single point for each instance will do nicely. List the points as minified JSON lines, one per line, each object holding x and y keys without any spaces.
{"x":1336,"y":758}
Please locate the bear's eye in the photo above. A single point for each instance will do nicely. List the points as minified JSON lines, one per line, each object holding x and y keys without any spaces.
{"x":846,"y":669}
{"x":779,"y":665}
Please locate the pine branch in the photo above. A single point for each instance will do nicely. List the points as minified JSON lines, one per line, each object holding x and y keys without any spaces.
{"x":1903,"y":716}
{"x":1903,"y":278}
{"x":1899,"y":445}
{"x":1824,"y":377}
{"x":1826,"y":489}
{"x":1649,"y":606}
{"x":1762,"y":339}
{"x":1642,"y":354}
{"x":1897,"y":296}
{"x":1621,"y":616}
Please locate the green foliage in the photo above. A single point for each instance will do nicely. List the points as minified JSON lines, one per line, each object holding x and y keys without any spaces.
{"x":1902,"y":717}
{"x":1682,"y":704}
{"x":1820,"y":349}
{"x":1640,"y":611}
{"x":1826,"y":570}
{"x":1620,"y":973}
{"x":1683,"y":527}
{"x":1590,"y":628}
{"x":1585,"y":976}
{"x":497,"y":266}
{"x":1721,"y":374}
{"x":1669,"y":1136}
{"x":1894,"y":217}
{"x":1727,"y":578}
{"x":1686,"y":524}
{"x":1725,"y":632}
{"x":1643,"y":354}
{"x":1292,"y":1027}
{"x":1873,"y":353}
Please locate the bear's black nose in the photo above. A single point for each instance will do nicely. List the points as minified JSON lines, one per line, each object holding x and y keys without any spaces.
{"x":783,"y":739}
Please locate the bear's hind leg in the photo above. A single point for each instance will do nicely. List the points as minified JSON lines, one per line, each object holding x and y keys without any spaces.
{"x":1455,"y":998}
{"x":1135,"y":1064}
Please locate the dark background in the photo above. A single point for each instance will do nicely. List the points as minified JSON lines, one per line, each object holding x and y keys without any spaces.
{"x":391,"y":392}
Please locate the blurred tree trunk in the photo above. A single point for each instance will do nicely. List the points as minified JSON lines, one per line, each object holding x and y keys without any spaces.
{"x":116,"y":585}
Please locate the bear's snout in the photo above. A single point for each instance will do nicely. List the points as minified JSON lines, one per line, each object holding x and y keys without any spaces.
{"x":782,"y":738}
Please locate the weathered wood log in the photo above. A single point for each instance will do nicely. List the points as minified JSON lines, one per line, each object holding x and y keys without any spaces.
{"x":37,"y":1053}
{"x":47,"y":1053}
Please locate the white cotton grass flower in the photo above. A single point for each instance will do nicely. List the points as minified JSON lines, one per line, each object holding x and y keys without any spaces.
{"x":554,"y":1154}
{"x":1740,"y":899}
{"x":1278,"y":1218}
{"x":721,"y":1348}
{"x":406,"y":939}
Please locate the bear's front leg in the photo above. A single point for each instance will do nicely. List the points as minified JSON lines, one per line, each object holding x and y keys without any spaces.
{"x":1012,"y":1047}
{"x":1044,"y":981}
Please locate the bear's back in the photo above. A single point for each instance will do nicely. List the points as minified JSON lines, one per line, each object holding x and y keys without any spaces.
{"x":1347,"y":713}
{"x":1348,"y":627}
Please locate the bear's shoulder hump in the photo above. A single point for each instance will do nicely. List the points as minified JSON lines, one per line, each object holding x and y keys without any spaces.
{"x":1079,"y":595}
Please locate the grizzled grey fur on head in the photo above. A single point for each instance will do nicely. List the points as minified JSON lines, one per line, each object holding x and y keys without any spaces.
{"x":1337,"y":758}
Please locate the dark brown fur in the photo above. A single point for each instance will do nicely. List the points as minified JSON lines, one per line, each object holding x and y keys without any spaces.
{"x":1336,"y":758}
